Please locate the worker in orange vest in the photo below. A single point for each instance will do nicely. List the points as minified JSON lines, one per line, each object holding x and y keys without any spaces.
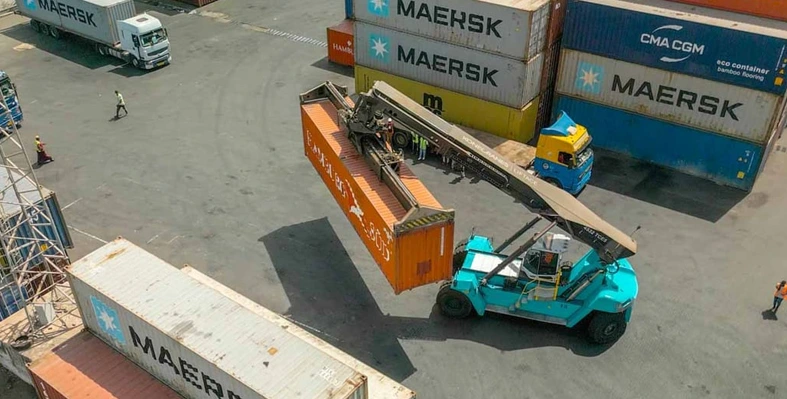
{"x":778,"y":296}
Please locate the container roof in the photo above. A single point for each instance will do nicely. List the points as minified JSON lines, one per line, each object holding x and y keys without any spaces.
{"x":9,"y":204}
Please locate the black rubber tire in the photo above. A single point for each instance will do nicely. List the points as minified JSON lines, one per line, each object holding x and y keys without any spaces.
{"x":135,"y":62}
{"x":101,"y":50}
{"x":554,"y":182}
{"x":401,"y":139}
{"x":55,"y":33}
{"x":606,"y":328}
{"x":35,"y":25}
{"x":44,"y":29}
{"x":453,"y":304}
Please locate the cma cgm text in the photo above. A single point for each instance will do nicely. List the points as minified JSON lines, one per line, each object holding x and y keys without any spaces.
{"x":446,"y":16}
{"x":451,"y":66}
{"x":680,"y":98}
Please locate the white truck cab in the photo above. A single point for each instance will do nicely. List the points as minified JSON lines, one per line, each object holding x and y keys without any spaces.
{"x":145,"y":40}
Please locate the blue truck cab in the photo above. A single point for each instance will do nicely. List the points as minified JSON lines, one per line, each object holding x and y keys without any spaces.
{"x":540,"y":286}
{"x":563,"y":155}
{"x":15,"y":117}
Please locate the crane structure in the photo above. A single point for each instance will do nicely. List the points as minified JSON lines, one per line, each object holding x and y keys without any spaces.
{"x":32,"y":272}
{"x":530,"y":282}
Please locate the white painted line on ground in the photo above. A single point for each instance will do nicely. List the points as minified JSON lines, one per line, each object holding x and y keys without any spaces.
{"x":67,"y":206}
{"x":173,"y":239}
{"x":153,"y":238}
{"x":88,"y":234}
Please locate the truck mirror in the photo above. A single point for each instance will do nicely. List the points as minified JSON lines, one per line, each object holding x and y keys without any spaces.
{"x":135,"y":40}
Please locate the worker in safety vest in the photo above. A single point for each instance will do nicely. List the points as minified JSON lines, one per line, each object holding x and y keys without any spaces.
{"x":389,"y":131}
{"x":43,"y":157}
{"x":778,"y":296}
{"x":416,"y":142}
{"x":120,"y":105}
{"x":422,"y":145}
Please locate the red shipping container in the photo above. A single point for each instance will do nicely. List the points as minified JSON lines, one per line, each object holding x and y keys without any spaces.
{"x":557,"y":14}
{"x":774,"y":9}
{"x":85,"y":367}
{"x":411,"y":249}
{"x":340,"y":43}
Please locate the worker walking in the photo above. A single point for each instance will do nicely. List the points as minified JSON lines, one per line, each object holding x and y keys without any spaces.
{"x":43,"y":157}
{"x":120,"y":105}
{"x":778,"y":296}
{"x":423,"y":145}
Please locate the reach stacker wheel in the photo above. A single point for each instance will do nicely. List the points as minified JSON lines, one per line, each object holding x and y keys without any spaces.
{"x":453,"y":303}
{"x":606,"y":328}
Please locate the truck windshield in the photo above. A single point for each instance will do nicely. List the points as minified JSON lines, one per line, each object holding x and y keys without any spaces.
{"x":7,"y":88}
{"x":153,"y":38}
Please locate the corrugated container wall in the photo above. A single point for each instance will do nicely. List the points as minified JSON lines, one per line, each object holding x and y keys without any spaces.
{"x":722,"y":159}
{"x":85,"y":367}
{"x":411,"y":252}
{"x":712,"y":48}
{"x":717,"y":107}
{"x":92,"y":19}
{"x":548,"y":83}
{"x":341,"y":43}
{"x":775,"y":9}
{"x":511,"y":28}
{"x":556,"y":18}
{"x":487,"y":76}
{"x":511,"y":123}
{"x":197,"y":341}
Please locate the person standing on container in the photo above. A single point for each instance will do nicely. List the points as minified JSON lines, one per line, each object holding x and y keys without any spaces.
{"x":120,"y":105}
{"x":778,"y":296}
{"x":423,"y":146}
{"x":43,"y":157}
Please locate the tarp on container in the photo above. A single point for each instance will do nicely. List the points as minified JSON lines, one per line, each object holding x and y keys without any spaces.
{"x":513,"y":28}
{"x":197,"y":341}
{"x":713,"y":48}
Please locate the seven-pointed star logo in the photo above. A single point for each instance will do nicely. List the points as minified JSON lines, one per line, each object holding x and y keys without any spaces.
{"x":31,"y":4}
{"x":378,"y":47}
{"x":378,"y":7}
{"x":107,"y":319}
{"x":589,"y":77}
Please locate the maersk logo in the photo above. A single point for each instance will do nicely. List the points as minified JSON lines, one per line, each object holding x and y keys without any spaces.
{"x":108,"y":320}
{"x":680,"y":50}
{"x":31,"y":4}
{"x":379,"y":47}
{"x":589,"y":77}
{"x":378,"y":7}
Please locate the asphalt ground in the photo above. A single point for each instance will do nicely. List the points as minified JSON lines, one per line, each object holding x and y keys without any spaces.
{"x":208,"y":170}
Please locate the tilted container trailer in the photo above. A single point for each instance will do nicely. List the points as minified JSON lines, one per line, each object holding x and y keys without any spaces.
{"x":511,"y":28}
{"x":380,"y":386}
{"x":85,"y":367}
{"x":113,"y":27}
{"x":716,"y":45}
{"x":491,"y":77}
{"x":512,"y":123}
{"x":775,"y":9}
{"x":716,"y":107}
{"x":197,"y":341}
{"x":410,"y":250}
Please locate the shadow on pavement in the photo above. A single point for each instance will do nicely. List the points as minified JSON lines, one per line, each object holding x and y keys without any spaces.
{"x":327,"y":293}
{"x":663,"y":187}
{"x":335,"y":68}
{"x":69,"y":47}
{"x":769,"y":315}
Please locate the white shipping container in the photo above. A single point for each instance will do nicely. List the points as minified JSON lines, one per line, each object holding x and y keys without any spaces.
{"x":196,"y":340}
{"x":514,"y":28}
{"x":380,"y":386}
{"x":92,"y":19}
{"x":717,"y":107}
{"x":478,"y":74}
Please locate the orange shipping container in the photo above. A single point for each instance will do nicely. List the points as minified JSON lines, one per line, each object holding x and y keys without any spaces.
{"x":85,"y":367}
{"x":774,"y":9}
{"x":411,"y":249}
{"x":340,"y":43}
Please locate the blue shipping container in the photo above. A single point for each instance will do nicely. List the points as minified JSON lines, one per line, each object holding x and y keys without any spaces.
{"x":718,"y":158}
{"x":62,"y":232}
{"x":348,"y":9}
{"x":637,"y":34}
{"x":12,"y":298}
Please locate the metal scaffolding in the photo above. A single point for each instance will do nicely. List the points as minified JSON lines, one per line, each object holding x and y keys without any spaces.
{"x":33,"y":258}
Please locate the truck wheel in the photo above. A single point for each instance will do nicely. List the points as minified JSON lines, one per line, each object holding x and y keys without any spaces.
{"x":453,"y":303}
{"x":101,"y":49}
{"x":606,"y":328}
{"x":135,"y":62}
{"x":401,"y":139}
{"x":54,"y":32}
{"x":44,"y":28}
{"x":35,"y":25}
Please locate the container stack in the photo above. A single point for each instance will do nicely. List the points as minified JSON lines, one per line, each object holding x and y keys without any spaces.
{"x":477,"y":63}
{"x":689,"y":88}
{"x":340,"y":39}
{"x":761,"y":8}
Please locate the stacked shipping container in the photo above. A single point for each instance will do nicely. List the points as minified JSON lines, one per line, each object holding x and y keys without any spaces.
{"x":700,"y":94}
{"x":775,"y":9}
{"x":489,"y":53}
